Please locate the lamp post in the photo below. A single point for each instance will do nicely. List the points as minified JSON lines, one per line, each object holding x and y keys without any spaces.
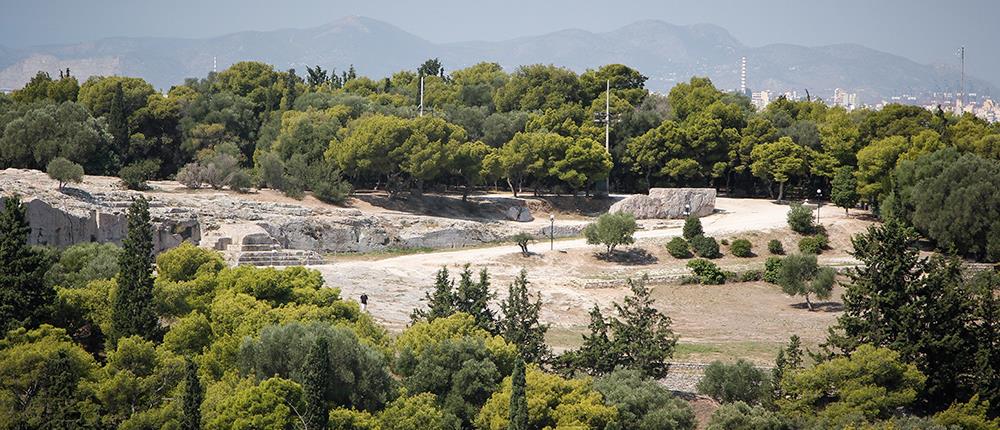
{"x":819,"y":202}
{"x":687,"y":210}
{"x":552,"y":232}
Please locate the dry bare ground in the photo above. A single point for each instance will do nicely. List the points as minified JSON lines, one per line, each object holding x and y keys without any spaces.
{"x":747,"y":320}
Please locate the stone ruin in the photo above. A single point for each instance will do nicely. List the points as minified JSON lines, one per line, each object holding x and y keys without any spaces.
{"x":667,"y":203}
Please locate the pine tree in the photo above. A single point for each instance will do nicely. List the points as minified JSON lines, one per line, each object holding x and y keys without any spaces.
{"x":192,"y":398}
{"x":642,"y":333}
{"x":473,"y":298}
{"x":132,"y":312}
{"x":518,"y":398}
{"x":788,"y":359}
{"x":62,"y":382}
{"x":440,"y":301}
{"x":118,"y":124}
{"x":315,"y":382}
{"x":23,"y":293}
{"x":844,"y":192}
{"x":520,"y":325}
{"x":598,"y":354}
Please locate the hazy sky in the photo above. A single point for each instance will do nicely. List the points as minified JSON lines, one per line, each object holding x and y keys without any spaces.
{"x":928,"y":31}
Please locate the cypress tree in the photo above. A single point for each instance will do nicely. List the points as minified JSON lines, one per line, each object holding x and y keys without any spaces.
{"x":23,"y":293}
{"x":520,"y":324}
{"x":440,"y":301}
{"x":598,"y":354}
{"x":118,"y":123}
{"x":192,"y":398}
{"x":518,"y":398}
{"x":132,"y":312}
{"x":473,"y":297}
{"x":288,"y":101}
{"x":642,"y":333}
{"x":316,"y":378}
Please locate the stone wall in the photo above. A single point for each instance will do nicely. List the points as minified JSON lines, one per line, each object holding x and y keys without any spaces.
{"x":666,"y":203}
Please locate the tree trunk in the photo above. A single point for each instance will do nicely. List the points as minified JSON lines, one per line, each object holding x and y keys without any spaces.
{"x":512,"y":189}
{"x":808,"y":303}
{"x":781,"y":190}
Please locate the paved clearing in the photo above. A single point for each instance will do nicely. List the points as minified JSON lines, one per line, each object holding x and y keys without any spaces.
{"x":746,"y":319}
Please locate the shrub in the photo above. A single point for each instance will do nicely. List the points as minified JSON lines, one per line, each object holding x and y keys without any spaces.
{"x":800,"y":219}
{"x":707,"y":272}
{"x":136,"y":174}
{"x":679,"y":248}
{"x":64,"y":171}
{"x":741,"y":416}
{"x":329,"y":186}
{"x":775,"y":247}
{"x":191,"y":176}
{"x":751,"y":276}
{"x":611,"y":230}
{"x":692,"y":228}
{"x":813,"y":244}
{"x":272,"y":170}
{"x":705,"y":247}
{"x":772,"y":269}
{"x":240,"y":181}
{"x":741,"y":248}
{"x":522,"y":240}
{"x":737,"y":382}
{"x":731,"y":276}
{"x":219,"y":170}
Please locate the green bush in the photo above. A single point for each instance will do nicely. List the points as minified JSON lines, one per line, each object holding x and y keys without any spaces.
{"x":741,"y":248}
{"x":800,"y":219}
{"x":692,"y":228}
{"x":737,"y":382}
{"x":775,"y":247}
{"x":136,"y":174}
{"x":751,"y":276}
{"x":772,"y":269}
{"x":240,"y":181}
{"x":707,"y":271}
{"x":705,"y":247}
{"x":679,"y":248}
{"x":611,"y":230}
{"x":813,"y":244}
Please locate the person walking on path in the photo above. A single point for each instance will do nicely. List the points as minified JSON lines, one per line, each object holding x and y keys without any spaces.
{"x":364,"y":302}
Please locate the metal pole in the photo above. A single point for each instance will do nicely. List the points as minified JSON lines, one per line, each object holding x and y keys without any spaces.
{"x":421,"y":95}
{"x":607,"y":129}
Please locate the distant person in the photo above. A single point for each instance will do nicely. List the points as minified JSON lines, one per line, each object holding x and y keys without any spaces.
{"x":364,"y":302}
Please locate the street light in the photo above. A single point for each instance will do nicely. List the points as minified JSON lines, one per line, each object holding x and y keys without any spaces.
{"x":819,"y":202}
{"x":687,"y":210}
{"x":552,"y":232}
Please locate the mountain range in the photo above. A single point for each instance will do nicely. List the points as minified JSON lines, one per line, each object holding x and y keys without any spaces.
{"x":664,"y":52}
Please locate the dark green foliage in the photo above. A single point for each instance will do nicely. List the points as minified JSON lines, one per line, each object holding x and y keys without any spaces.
{"x":678,"y":248}
{"x":844,"y":191}
{"x":518,"y":399}
{"x":611,"y":230}
{"x":240,"y":181}
{"x":705,"y":247}
{"x":118,"y":122}
{"x":775,"y":247}
{"x":359,"y":378}
{"x":741,"y":248}
{"x":64,"y":171}
{"x":473,"y":297}
{"x":81,"y":263}
{"x":192,"y":398}
{"x":737,"y":382}
{"x":316,"y":384}
{"x":741,"y":416}
{"x":642,"y":333}
{"x":462,"y":373}
{"x":24,"y":295}
{"x":643,"y":403}
{"x":772,"y":267}
{"x":813,"y":244}
{"x":801,"y":275}
{"x":520,"y":325}
{"x":952,"y":199}
{"x":692,"y":228}
{"x":440,"y":301}
{"x":328,"y":185}
{"x":800,"y":219}
{"x":132,"y":312}
{"x":895,"y":290}
{"x":136,"y":174}
{"x":598,"y":354}
{"x":707,"y":271}
{"x":431,"y":67}
{"x":751,"y":276}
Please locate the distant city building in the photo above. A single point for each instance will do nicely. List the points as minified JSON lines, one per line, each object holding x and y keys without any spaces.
{"x":744,"y":79}
{"x":760,"y":99}
{"x":845,"y":99}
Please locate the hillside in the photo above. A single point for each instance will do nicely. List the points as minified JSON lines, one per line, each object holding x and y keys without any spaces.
{"x":666,"y":53}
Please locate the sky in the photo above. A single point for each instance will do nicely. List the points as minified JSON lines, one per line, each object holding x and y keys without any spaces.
{"x":928,"y":31}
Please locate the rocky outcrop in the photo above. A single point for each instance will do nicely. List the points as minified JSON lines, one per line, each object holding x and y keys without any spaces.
{"x":247,"y":229}
{"x":666,"y":203}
